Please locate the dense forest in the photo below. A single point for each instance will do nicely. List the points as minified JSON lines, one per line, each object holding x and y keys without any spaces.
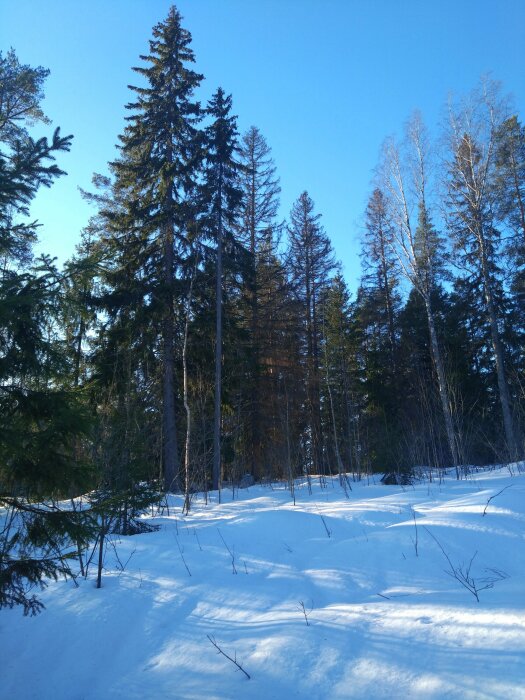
{"x":196,"y":338}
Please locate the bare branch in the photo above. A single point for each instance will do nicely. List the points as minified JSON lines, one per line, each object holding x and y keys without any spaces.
{"x":494,"y":496}
{"x":234,"y":660}
{"x":302,"y":607}
{"x":231,"y":553}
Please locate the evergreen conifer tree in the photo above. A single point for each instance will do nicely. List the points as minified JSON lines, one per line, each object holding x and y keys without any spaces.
{"x":264,"y":289}
{"x":477,"y":239}
{"x":156,"y":179}
{"x":376,"y":312}
{"x":311,"y":262}
{"x":339,"y":375}
{"x":41,"y":417}
{"x":222,"y":197}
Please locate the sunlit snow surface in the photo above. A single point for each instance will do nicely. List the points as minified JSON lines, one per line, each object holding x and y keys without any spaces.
{"x":383,"y":622}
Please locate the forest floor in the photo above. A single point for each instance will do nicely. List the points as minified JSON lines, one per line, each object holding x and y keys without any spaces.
{"x":335,"y":597}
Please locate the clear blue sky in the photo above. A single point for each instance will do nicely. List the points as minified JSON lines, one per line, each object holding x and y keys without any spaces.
{"x":325,"y":81}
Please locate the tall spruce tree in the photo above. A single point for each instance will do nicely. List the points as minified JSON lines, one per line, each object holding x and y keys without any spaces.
{"x":311,"y":263}
{"x":378,"y":260}
{"x":339,"y":376}
{"x":376,"y":312}
{"x":258,"y":231}
{"x":509,"y":177}
{"x":477,"y":239}
{"x":222,"y":197}
{"x":156,"y":175}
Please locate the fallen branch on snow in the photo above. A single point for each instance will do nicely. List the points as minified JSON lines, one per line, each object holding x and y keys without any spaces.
{"x":234,"y":660}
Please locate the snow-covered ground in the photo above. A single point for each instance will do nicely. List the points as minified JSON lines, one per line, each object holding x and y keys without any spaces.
{"x":383,"y":621}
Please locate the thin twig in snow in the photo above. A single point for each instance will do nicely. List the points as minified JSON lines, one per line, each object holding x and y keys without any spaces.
{"x":328,"y":531}
{"x":232,"y":553}
{"x":182,"y":556}
{"x":234,"y":660}
{"x":197,"y":538}
{"x":415,"y":526}
{"x":302,"y":607}
{"x":494,"y":496}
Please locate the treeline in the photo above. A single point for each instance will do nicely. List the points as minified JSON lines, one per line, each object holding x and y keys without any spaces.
{"x":195,"y":338}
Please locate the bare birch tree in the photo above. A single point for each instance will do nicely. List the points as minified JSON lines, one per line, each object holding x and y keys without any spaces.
{"x":417,"y":245}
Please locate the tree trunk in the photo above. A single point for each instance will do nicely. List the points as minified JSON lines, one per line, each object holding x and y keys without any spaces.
{"x":388,"y":302}
{"x":169,"y":423}
{"x":310,"y":366}
{"x":102,"y":535}
{"x":498,"y":357}
{"x":216,"y":475}
{"x":187,"y":446}
{"x":255,"y":346}
{"x":442,"y":385}
{"x":316,"y":390}
{"x":340,"y":468}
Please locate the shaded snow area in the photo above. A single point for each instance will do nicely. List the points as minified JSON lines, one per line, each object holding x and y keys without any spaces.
{"x":383,"y":621}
